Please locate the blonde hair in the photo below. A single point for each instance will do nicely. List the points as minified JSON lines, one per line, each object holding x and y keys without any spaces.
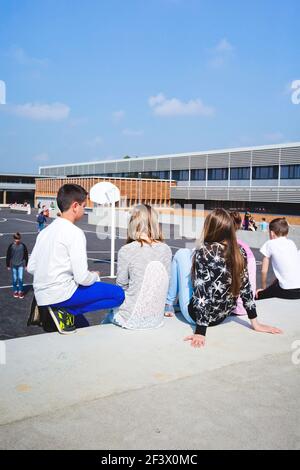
{"x":144,"y":222}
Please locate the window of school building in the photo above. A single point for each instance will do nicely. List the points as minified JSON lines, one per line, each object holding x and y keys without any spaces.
{"x":265,"y":172}
{"x":240,"y":173}
{"x":217,"y":174}
{"x":290,"y":172}
{"x":198,"y":175}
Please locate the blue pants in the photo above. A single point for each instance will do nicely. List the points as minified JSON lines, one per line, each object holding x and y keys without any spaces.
{"x":181,"y":283}
{"x":98,"y":296}
{"x":17,"y":278}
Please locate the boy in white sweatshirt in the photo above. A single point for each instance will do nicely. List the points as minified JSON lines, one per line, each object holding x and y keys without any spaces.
{"x":285,"y":258}
{"x":61,"y":279}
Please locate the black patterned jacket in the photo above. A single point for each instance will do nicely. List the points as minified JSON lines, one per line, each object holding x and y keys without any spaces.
{"x":212,"y":300}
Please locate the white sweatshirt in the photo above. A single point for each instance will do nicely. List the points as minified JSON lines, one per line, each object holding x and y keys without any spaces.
{"x":59,"y":262}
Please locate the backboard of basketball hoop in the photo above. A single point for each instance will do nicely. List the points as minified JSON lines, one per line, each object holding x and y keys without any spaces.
{"x":104,"y":193}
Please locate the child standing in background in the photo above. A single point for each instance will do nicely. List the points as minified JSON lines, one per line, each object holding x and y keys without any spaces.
{"x":16,"y":261}
{"x":41,"y":220}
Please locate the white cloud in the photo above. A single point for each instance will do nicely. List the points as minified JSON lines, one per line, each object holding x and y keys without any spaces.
{"x":41,"y":157}
{"x":158,"y":99}
{"x":174,"y":107}
{"x":21,"y":57}
{"x":118,"y":115}
{"x":132,"y":133}
{"x":40,"y":112}
{"x":221,"y":53}
{"x":223,"y":46}
{"x":96,"y":141}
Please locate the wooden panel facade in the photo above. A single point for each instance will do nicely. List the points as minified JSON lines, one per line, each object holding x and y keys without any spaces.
{"x":132,"y":190}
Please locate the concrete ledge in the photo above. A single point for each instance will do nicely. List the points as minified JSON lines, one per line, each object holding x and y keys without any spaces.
{"x":258,"y":238}
{"x":21,"y":209}
{"x":50,"y":372}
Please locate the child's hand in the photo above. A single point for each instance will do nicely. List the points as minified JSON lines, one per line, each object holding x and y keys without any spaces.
{"x":259,"y":327}
{"x":197,"y":341}
{"x":97,"y":272}
{"x":257,"y":292}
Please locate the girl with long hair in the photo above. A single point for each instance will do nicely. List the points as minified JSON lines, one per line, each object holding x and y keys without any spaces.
{"x":143,"y":272}
{"x":219,"y":276}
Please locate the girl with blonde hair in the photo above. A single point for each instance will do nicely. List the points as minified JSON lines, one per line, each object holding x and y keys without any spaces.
{"x":143,"y":272}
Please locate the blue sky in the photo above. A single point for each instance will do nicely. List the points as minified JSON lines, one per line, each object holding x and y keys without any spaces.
{"x":101,"y":79}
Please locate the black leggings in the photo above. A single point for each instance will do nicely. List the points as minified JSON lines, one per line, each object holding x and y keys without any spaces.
{"x":274,"y":290}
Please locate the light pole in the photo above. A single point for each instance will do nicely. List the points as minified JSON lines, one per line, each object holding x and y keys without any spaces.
{"x":140,"y":181}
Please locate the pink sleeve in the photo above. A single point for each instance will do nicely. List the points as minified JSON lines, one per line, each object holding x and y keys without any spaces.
{"x":247,"y":248}
{"x":252,"y":276}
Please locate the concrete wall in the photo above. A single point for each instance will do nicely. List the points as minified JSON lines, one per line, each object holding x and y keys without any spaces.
{"x":187,"y":226}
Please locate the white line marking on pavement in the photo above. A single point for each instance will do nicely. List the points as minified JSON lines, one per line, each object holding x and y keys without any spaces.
{"x":24,"y":220}
{"x":3,"y":219}
{"x":23,"y":233}
{"x":10,"y":287}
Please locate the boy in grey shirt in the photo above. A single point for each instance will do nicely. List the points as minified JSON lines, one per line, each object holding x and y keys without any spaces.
{"x":16,"y":261}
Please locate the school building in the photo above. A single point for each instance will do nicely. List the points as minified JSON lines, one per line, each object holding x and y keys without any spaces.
{"x":262,"y":178}
{"x":16,"y":187}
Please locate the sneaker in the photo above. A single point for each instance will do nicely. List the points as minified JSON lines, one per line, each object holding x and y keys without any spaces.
{"x":64,"y":321}
{"x":21,"y":295}
{"x":16,"y":295}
